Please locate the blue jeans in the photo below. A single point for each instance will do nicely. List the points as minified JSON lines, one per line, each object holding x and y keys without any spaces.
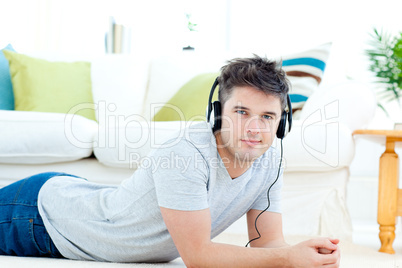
{"x":22,"y":232}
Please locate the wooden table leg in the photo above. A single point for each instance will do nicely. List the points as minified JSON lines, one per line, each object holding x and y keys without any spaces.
{"x":387,"y":196}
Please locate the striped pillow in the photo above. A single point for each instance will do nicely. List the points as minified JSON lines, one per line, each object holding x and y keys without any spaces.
{"x":305,"y":71}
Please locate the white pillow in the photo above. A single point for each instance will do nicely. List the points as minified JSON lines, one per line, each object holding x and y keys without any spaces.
{"x":119,"y":84}
{"x":39,"y":138}
{"x":168,"y":74}
{"x":352,"y":103}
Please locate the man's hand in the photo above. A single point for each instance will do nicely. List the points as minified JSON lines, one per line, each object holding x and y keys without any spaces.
{"x":315,"y":253}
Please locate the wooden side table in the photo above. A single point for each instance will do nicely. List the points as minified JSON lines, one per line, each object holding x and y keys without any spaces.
{"x":389,"y":195}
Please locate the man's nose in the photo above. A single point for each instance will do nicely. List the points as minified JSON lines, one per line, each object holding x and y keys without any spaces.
{"x":254,"y":125}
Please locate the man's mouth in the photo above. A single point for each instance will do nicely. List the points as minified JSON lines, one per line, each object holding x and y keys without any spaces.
{"x":251,"y":142}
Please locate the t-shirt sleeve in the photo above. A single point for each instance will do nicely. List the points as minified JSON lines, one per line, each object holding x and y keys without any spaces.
{"x":180,"y":175}
{"x":275,"y":195}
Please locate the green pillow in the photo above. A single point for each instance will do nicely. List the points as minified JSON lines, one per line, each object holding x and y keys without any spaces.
{"x":58,"y":87}
{"x":190,"y":102}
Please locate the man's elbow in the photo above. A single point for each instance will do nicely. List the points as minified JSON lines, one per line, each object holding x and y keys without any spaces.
{"x":197,"y":256}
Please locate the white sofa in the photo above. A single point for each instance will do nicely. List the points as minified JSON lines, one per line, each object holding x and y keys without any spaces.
{"x":317,"y":152}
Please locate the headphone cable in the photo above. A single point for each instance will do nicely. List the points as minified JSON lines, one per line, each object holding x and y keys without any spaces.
{"x":269,"y":202}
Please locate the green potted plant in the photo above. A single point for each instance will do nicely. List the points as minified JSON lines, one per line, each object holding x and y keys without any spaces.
{"x":192,"y":29}
{"x":385,"y":57}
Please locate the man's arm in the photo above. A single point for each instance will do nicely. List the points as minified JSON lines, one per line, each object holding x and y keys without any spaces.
{"x":191,"y":233}
{"x":269,"y":225}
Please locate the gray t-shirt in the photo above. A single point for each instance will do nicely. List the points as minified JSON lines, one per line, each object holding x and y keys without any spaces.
{"x":89,"y":221}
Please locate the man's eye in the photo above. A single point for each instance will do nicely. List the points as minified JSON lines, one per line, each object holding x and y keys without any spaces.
{"x":267,"y":117}
{"x":241,"y":112}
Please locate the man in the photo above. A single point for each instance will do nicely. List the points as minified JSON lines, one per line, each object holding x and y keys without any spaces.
{"x":194,"y":188}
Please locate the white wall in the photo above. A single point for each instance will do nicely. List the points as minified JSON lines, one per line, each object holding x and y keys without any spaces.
{"x":255,"y":26}
{"x":79,"y":26}
{"x":262,"y":26}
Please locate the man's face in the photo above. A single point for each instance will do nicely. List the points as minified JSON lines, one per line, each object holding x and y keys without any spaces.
{"x":250,"y":119}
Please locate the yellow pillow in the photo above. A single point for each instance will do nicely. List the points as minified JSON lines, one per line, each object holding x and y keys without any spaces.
{"x":58,"y":87}
{"x":190,"y":102}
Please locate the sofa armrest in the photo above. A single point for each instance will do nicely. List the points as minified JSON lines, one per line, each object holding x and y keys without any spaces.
{"x":314,"y":145}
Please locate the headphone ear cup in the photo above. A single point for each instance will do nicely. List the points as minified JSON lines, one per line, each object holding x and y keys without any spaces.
{"x":281,"y":132}
{"x":216,"y":114}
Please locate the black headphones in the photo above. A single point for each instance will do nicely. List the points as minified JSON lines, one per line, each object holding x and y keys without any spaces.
{"x":214,"y":112}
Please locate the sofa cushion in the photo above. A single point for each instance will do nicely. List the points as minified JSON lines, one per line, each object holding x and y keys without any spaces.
{"x":127,"y":144}
{"x":44,"y":86}
{"x":190,"y":102}
{"x":6,"y":87}
{"x":305,"y":71}
{"x":37,"y":138}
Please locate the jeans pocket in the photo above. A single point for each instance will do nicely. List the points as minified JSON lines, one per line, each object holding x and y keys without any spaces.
{"x":39,"y":237}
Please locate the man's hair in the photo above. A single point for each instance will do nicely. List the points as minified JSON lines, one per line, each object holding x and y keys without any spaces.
{"x":260,"y":73}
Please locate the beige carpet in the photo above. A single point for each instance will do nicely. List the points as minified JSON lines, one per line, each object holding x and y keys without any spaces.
{"x":352,"y":256}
